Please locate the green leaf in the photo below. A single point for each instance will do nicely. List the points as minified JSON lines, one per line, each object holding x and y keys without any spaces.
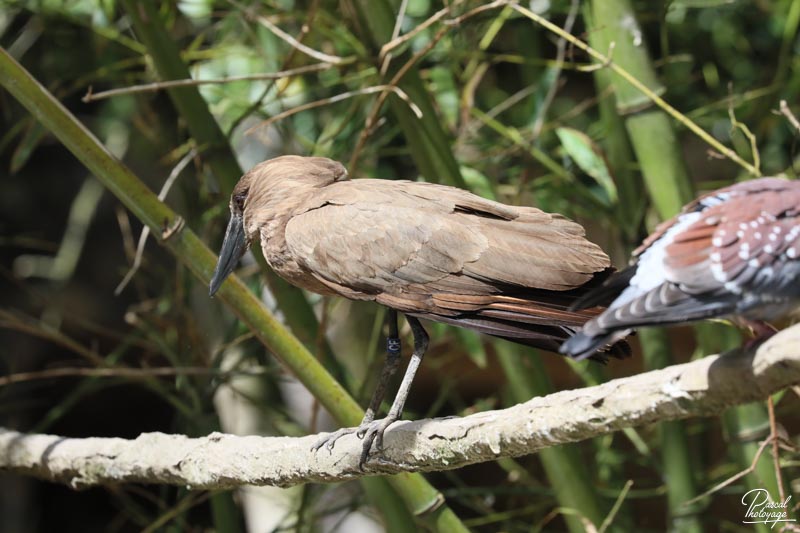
{"x":27,"y":145}
{"x":477,"y":182}
{"x":588,"y":156}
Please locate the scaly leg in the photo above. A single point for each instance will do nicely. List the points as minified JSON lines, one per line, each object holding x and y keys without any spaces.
{"x":389,"y":368}
{"x":377,"y":428}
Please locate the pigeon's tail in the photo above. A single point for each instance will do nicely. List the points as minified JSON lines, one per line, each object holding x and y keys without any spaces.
{"x":584,"y":345}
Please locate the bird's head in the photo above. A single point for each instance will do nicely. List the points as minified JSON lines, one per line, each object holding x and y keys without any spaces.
{"x":264,"y":190}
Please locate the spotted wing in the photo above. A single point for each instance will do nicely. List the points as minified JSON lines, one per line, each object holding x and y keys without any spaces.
{"x":707,"y":261}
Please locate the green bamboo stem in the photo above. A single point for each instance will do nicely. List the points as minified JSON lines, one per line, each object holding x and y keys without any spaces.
{"x":606,"y":61}
{"x":206,"y":132}
{"x":669,"y":188}
{"x":617,"y":149}
{"x":187,"y":100}
{"x":676,"y":453}
{"x":650,"y":131}
{"x":746,"y":426}
{"x":185,"y":245}
{"x":566,"y":471}
{"x":429,"y":143}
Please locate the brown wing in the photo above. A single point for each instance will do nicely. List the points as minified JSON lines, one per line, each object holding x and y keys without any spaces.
{"x":422,"y":248}
{"x":733,"y":241}
{"x":711,"y":199}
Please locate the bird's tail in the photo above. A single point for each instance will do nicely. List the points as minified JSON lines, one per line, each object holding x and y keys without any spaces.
{"x":585,"y":345}
{"x":536,"y":324}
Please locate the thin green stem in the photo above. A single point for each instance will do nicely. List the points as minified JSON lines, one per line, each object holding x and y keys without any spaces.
{"x":425,"y":502}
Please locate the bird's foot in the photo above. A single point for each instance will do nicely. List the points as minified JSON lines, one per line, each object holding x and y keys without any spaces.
{"x":371,"y":432}
{"x":329,"y":441}
{"x":761,"y":332}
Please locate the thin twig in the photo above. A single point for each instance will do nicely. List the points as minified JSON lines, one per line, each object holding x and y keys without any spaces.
{"x":297,"y":45}
{"x":627,"y":76}
{"x":161,"y":85}
{"x":616,"y":507}
{"x":561,"y":48}
{"x":786,"y":112}
{"x":396,"y":41}
{"x":372,"y":117}
{"x":732,"y":479}
{"x":137,"y":260}
{"x":735,"y":124}
{"x":398,"y":22}
{"x":305,"y":28}
{"x":776,"y":457}
{"x":122,"y":372}
{"x":27,"y":325}
{"x":383,"y":89}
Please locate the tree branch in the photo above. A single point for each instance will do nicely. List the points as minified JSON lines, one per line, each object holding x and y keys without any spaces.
{"x":700,"y":388}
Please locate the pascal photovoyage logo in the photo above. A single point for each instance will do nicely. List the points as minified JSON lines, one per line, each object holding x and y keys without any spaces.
{"x":761,"y":509}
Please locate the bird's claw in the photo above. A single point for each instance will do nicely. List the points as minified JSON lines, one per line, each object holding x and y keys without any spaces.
{"x":371,"y":433}
{"x":329,"y":441}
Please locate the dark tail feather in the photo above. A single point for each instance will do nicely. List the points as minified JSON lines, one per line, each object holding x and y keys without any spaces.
{"x":582,"y":346}
{"x":607,"y":292}
{"x":548,"y":338}
{"x":599,"y":353}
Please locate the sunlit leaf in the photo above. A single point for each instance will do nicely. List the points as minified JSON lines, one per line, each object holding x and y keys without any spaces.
{"x":588,"y":156}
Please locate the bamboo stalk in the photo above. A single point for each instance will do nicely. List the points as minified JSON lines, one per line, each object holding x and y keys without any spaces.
{"x":429,"y":143}
{"x":425,"y":502}
{"x":204,"y":129}
{"x":617,"y":148}
{"x":669,"y":188}
{"x":745,"y":426}
{"x":676,"y":452}
{"x":566,"y":471}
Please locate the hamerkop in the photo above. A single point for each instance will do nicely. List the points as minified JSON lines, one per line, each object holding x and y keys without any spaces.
{"x":732,"y":253}
{"x":428,"y":251}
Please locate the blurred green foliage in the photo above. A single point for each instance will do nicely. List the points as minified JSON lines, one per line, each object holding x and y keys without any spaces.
{"x":508,"y":110}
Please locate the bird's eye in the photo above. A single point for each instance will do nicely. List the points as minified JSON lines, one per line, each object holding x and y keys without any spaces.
{"x":238,"y":200}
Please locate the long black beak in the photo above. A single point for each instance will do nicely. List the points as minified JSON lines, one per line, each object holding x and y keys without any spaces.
{"x":233,"y":247}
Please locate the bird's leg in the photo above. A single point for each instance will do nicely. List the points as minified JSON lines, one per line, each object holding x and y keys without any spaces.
{"x":377,"y":428}
{"x":389,"y":368}
{"x":761,"y":331}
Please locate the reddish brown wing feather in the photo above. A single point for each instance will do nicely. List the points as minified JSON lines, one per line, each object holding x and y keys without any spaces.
{"x":738,"y":236}
{"x":743,"y":189}
{"x":443,"y":254}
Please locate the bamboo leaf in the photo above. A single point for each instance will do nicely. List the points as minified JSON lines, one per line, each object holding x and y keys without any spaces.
{"x":588,"y":156}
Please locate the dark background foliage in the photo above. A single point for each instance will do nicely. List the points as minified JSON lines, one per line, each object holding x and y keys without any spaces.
{"x":513,"y":123}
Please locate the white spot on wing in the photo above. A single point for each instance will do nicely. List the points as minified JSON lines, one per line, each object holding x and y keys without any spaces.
{"x":733,"y":287}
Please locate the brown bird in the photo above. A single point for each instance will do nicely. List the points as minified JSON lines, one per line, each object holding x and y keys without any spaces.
{"x":732,"y":253}
{"x":428,"y":251}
